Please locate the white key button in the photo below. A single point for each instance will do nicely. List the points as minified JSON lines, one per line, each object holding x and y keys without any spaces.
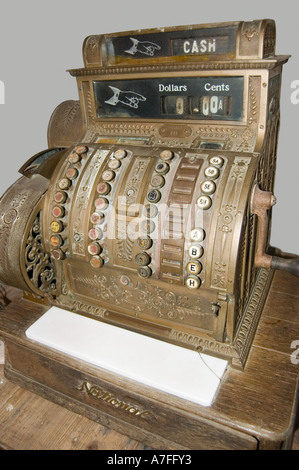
{"x":212,"y":172}
{"x":208,"y":187}
{"x":197,"y":234}
{"x":195,"y":251}
{"x":108,"y":175}
{"x":193,"y":282}
{"x":217,"y":161}
{"x":204,"y":202}
{"x":166,"y":155}
{"x":114,"y":164}
{"x":120,"y":153}
{"x":194,"y":267}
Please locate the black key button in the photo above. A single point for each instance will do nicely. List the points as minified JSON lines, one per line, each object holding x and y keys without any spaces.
{"x":145,"y":243}
{"x":154,"y":195}
{"x":142,"y":259}
{"x":144,"y":272}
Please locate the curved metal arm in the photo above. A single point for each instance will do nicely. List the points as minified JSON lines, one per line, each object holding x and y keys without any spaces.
{"x":290,"y":265}
{"x":261,"y":202}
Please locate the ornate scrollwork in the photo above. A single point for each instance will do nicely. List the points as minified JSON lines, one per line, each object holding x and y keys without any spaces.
{"x":39,"y":266}
{"x":251,"y":30}
{"x":152,"y":300}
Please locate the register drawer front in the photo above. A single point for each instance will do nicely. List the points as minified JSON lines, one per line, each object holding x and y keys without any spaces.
{"x":152,"y":417}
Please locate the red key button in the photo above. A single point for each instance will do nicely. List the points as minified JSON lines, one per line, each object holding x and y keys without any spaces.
{"x":103,"y":188}
{"x":95,"y":233}
{"x":94,"y":248}
{"x":58,"y":211}
{"x":72,"y":173}
{"x":60,"y":197}
{"x":101,"y":203}
{"x":96,"y":218}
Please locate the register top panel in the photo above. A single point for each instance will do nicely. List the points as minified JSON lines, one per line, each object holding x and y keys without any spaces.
{"x":171,"y":98}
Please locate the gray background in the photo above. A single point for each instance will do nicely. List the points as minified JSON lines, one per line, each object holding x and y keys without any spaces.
{"x":40,"y":40}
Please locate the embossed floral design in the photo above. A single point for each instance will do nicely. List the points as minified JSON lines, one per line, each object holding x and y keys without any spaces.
{"x":219,"y":274}
{"x":167,"y":304}
{"x":251,"y":30}
{"x":107,"y":289}
{"x":144,"y":300}
{"x":91,"y":44}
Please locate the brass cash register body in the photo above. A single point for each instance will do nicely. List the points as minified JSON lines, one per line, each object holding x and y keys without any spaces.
{"x":142,"y":211}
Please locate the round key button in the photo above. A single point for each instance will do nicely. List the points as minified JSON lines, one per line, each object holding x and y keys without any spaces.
{"x":217,"y":161}
{"x":114,"y":164}
{"x":150,"y":210}
{"x":64,"y":183}
{"x":74,"y":158}
{"x":195,"y":251}
{"x":58,"y":211}
{"x":148,"y":226}
{"x":162,"y":168}
{"x":95,"y":233}
{"x":194,"y":267}
{"x":208,"y":187}
{"x":103,"y":188}
{"x":145,"y":243}
{"x":56,"y":226}
{"x":120,"y":153}
{"x":58,"y":254}
{"x":81,"y":149}
{"x":56,"y":240}
{"x":108,"y":175}
{"x":154,"y":195}
{"x":144,"y":271}
{"x":212,"y":172}
{"x":101,"y":203}
{"x":97,"y":218}
{"x":94,"y":248}
{"x":193,"y":282}
{"x":142,"y":259}
{"x":157,"y":181}
{"x":204,"y":202}
{"x":72,"y":173}
{"x":96,"y":262}
{"x":60,"y":197}
{"x":166,"y":155}
{"x":197,"y":234}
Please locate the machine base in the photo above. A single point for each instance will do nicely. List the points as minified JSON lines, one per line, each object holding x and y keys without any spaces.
{"x":253,"y":409}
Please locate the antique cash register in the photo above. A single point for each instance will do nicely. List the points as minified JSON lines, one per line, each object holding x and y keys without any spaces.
{"x":150,"y":211}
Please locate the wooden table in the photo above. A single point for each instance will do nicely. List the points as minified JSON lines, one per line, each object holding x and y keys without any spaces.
{"x":254,"y":409}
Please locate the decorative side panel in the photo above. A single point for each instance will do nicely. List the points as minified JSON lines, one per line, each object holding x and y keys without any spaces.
{"x":16,"y":208}
{"x":226,"y":224}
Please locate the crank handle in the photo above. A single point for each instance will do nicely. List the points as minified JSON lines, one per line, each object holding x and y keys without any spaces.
{"x":261,"y":202}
